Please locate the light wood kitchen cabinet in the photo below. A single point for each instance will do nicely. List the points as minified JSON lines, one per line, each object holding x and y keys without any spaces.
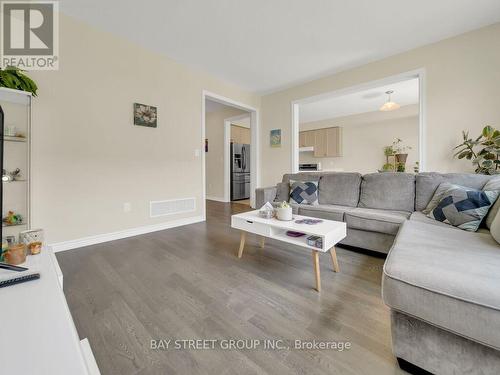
{"x":307,"y":138}
{"x":320,"y":146}
{"x":240,"y":134}
{"x":327,"y":142}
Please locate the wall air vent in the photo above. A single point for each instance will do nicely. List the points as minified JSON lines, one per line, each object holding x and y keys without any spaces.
{"x":171,"y":207}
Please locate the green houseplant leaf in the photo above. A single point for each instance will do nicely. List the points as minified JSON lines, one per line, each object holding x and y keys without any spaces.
{"x":14,"y":78}
{"x":484,"y":151}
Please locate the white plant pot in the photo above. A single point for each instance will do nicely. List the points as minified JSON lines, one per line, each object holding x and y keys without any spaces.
{"x":284,"y":214}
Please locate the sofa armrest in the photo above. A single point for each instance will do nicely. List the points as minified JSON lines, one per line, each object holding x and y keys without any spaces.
{"x":263,"y":195}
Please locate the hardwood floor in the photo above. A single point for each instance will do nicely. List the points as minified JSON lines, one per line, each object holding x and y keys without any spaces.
{"x":188,"y":283}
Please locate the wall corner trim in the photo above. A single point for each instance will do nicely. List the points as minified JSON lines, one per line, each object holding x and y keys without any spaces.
{"x":106,"y":237}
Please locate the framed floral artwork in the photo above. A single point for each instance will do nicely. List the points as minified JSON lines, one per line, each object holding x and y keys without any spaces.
{"x":145,"y":115}
{"x":275,"y":138}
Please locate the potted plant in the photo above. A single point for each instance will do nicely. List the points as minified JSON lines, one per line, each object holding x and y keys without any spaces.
{"x":483,"y":151}
{"x":284,"y":212}
{"x":14,"y":78}
{"x":400,"y":151}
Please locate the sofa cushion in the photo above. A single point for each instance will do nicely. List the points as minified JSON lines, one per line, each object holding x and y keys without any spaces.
{"x":423,"y":218}
{"x":447,"y":277}
{"x":373,"y":220}
{"x":462,"y":207}
{"x":325,"y":211}
{"x":340,"y":188}
{"x":302,"y":176}
{"x":388,"y":191}
{"x":428,"y":182}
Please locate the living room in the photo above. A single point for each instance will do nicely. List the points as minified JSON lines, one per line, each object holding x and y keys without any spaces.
{"x":139,"y":262}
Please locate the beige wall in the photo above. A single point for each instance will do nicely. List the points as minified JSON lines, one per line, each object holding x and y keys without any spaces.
{"x":214,"y":124}
{"x":89,"y":158}
{"x":462,"y":92}
{"x":364,"y":137}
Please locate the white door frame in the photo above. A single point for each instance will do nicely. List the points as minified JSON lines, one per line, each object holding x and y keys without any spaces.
{"x":254,"y":146}
{"x":227,"y":151}
{"x":418,"y":73}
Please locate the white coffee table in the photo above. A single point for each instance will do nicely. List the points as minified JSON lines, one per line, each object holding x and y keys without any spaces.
{"x":330,"y":231}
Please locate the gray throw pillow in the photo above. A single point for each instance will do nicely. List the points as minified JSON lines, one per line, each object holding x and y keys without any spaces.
{"x":463,"y":207}
{"x":493,"y":184}
{"x":282,"y":192}
{"x":304,"y":192}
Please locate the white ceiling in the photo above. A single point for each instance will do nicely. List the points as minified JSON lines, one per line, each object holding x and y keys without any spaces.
{"x":405,"y":93}
{"x":264,"y":45}
{"x":212,"y":106}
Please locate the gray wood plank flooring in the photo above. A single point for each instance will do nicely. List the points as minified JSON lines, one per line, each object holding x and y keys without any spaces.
{"x":187,"y":283}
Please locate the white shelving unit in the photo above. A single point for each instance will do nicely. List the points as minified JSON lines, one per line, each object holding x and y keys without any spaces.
{"x":16,"y":106}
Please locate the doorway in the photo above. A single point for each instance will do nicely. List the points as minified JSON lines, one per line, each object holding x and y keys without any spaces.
{"x":237,"y":156}
{"x":223,"y":151}
{"x":356,"y":129}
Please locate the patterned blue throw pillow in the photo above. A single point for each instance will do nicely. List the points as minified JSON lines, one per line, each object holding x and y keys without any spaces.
{"x":463,"y":207}
{"x":304,"y":192}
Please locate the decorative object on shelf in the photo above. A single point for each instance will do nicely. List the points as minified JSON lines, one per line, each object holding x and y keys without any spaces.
{"x":14,"y":78}
{"x":483,"y":151}
{"x":266,"y":211}
{"x":291,"y":233}
{"x":389,"y":105}
{"x":145,"y":115}
{"x":284,"y":212}
{"x":33,"y":239}
{"x":308,"y":221}
{"x":5,"y":247}
{"x":11,"y":240}
{"x":315,"y":241}
{"x":11,"y":176}
{"x":35,"y":248}
{"x":10,"y":131}
{"x":12,"y":219}
{"x":275,"y":138}
{"x":15,"y":254}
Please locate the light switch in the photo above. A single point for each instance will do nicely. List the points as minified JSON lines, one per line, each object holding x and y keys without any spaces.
{"x":127,"y":207}
{"x":197,"y":153}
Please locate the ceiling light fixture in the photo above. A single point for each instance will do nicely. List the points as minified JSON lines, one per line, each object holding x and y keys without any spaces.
{"x":389,"y":105}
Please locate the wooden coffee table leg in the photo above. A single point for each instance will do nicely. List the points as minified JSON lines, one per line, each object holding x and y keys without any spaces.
{"x":242,"y":243}
{"x":315,"y":256}
{"x":262,"y":241}
{"x":335,"y":262}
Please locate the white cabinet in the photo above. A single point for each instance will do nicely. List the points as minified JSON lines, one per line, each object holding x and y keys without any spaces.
{"x":16,"y":107}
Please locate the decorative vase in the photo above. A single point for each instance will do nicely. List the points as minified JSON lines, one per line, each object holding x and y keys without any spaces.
{"x":401,"y":158}
{"x":284,"y":214}
{"x":16,"y":254}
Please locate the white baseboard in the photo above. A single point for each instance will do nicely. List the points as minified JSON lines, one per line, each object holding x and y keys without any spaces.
{"x":100,"y":238}
{"x":217,"y":199}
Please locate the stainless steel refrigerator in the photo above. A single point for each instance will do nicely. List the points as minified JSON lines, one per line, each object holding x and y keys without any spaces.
{"x":240,"y":171}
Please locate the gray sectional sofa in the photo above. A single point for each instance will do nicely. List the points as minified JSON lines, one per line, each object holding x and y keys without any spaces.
{"x":441,"y":283}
